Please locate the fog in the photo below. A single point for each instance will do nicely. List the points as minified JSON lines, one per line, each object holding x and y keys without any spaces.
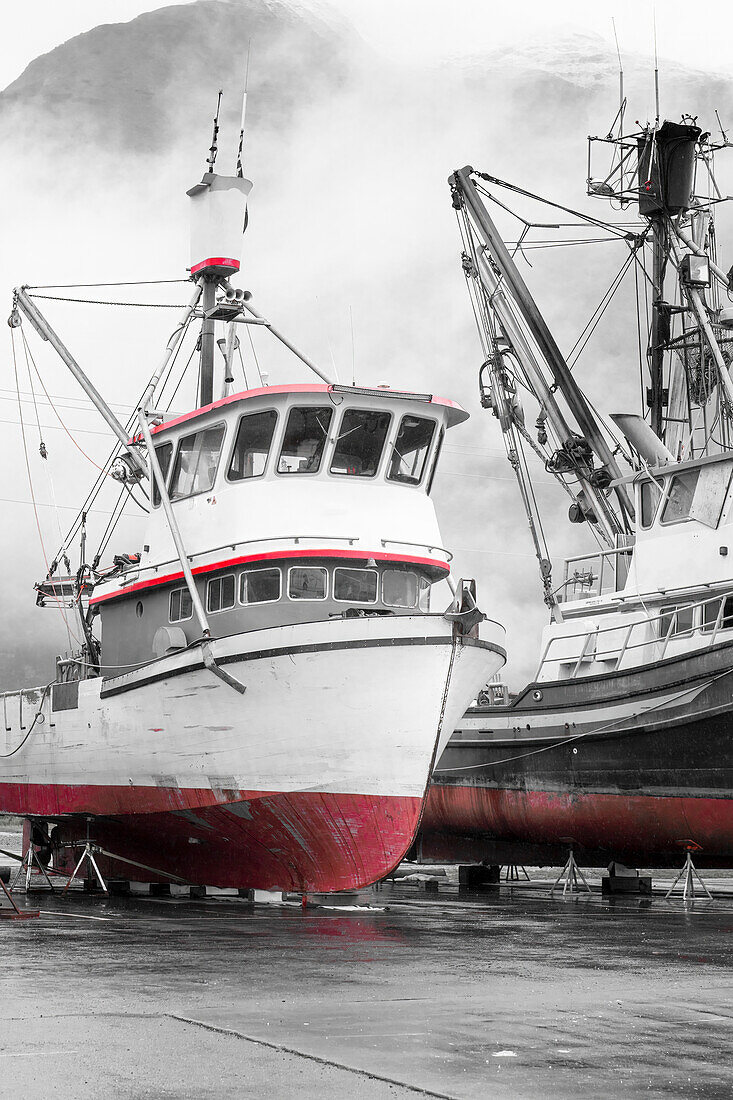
{"x":350,"y":142}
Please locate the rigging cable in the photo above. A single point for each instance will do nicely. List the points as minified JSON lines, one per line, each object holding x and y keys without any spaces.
{"x":86,"y":286}
{"x":104,"y":302}
{"x":29,"y":355}
{"x":254,"y":354}
{"x":33,"y":497}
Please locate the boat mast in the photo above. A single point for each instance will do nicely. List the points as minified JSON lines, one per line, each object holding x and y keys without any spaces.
{"x":657,"y":397}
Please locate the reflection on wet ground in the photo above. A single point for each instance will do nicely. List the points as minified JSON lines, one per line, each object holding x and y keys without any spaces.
{"x":508,"y":994}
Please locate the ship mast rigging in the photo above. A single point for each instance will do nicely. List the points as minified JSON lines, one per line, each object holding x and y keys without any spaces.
{"x":689,"y":398}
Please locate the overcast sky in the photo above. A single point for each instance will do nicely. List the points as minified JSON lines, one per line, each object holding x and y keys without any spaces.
{"x":420,"y":28}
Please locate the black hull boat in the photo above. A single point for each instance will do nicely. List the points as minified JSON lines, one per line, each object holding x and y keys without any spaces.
{"x":629,"y":766}
{"x":621,"y":748}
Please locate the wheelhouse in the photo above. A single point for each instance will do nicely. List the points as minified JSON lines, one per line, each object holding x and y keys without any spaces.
{"x":296,"y":503}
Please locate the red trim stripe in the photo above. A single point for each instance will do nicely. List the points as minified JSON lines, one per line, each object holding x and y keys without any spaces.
{"x":215,"y":261}
{"x":273,"y":555}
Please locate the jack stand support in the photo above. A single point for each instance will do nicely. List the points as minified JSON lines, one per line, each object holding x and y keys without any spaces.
{"x":688,"y":874}
{"x":88,"y":856}
{"x":514,"y":873}
{"x":569,"y":877}
{"x":26,"y":864}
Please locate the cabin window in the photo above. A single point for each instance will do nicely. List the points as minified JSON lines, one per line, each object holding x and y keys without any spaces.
{"x":196,"y":461}
{"x":259,"y":586}
{"x":681,"y":620}
{"x":710,"y":615}
{"x":220,"y":593}
{"x":307,"y":582}
{"x":679,"y":497}
{"x":355,"y":585}
{"x":360,"y":442}
{"x":252,"y":445}
{"x":181,"y":605}
{"x":305,"y":437}
{"x":164,"y":451}
{"x":410,"y":452}
{"x":399,"y":588}
{"x":649,"y":496}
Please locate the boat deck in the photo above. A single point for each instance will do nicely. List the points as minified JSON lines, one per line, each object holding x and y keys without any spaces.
{"x":506,"y":993}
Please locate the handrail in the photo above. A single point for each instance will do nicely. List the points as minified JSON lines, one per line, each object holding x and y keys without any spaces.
{"x":645,"y":622}
{"x":426,"y":545}
{"x":350,"y":539}
{"x":600,"y":553}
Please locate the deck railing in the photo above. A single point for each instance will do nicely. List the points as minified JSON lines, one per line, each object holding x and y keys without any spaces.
{"x":595,"y":574}
{"x":705,"y":624}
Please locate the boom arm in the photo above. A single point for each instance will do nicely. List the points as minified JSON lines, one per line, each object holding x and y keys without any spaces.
{"x":466,"y":194}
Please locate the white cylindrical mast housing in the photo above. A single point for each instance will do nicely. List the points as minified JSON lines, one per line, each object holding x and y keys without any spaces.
{"x":218,"y":208}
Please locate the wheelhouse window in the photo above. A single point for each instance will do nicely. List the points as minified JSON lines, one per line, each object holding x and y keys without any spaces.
{"x":649,"y":497}
{"x":196,"y":461}
{"x":355,"y":585}
{"x":305,"y":437}
{"x":259,"y":586}
{"x":307,"y":582}
{"x":399,"y":588}
{"x":711,"y":611}
{"x":411,"y":449}
{"x":181,"y":605}
{"x":679,"y":497}
{"x":220,"y":593}
{"x":252,"y":445}
{"x":360,"y":442}
{"x":164,"y":451}
{"x":677,"y":622}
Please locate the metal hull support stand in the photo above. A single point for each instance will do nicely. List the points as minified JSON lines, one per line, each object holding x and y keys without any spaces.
{"x":30,"y":857}
{"x":688,"y":874}
{"x":569,"y":877}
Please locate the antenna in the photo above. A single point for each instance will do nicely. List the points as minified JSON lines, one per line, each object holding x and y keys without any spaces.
{"x":240,"y":167}
{"x":211,"y":159}
{"x":722,"y":131}
{"x":353,"y":354}
{"x":621,"y":102}
{"x":656,"y":65}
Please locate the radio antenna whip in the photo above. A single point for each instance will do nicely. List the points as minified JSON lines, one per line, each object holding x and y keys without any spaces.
{"x":656,"y":65}
{"x":621,"y":101}
{"x":211,"y":159}
{"x":240,"y":167}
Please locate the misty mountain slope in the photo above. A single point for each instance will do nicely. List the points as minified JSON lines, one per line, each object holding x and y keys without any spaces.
{"x":129,"y":86}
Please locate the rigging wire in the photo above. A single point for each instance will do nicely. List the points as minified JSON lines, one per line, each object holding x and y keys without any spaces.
{"x":86,"y":286}
{"x":79,"y":448}
{"x":254,"y":355}
{"x":32,"y":492}
{"x":572,"y":357}
{"x":104,"y":302}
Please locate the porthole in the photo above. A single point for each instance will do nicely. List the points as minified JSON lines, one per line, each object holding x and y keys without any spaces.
{"x":139,"y":609}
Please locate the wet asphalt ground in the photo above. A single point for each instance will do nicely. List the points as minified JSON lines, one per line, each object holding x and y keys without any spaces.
{"x":511,"y":994}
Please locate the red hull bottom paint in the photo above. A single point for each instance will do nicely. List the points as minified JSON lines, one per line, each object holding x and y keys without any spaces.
{"x":643,"y":828}
{"x":300,"y":841}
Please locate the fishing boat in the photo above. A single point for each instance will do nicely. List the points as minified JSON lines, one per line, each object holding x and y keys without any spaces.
{"x":621,"y":746}
{"x":264,"y":684}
